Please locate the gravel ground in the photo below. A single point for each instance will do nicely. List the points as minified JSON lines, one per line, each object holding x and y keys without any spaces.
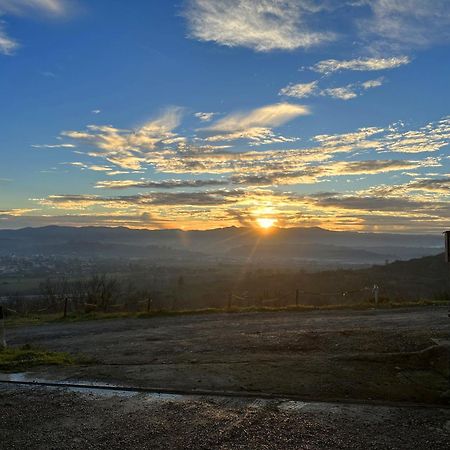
{"x":57,"y":419}
{"x":383,"y":355}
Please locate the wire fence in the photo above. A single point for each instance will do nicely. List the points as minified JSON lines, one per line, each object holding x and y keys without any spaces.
{"x":68,"y":304}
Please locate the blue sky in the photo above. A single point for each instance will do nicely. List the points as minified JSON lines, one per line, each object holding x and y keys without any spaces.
{"x":207,"y":113}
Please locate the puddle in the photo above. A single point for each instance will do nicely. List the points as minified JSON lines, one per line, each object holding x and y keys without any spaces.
{"x":91,"y":388}
{"x":17,"y":377}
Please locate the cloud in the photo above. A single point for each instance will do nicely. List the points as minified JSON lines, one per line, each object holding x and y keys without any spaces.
{"x":370,"y":84}
{"x":255,"y":125}
{"x":429,"y":138}
{"x":352,"y":90}
{"x":311,"y":173}
{"x":164,"y":184}
{"x":347,"y":92}
{"x":257,"y":136}
{"x":129,"y":149}
{"x":438,"y":185}
{"x":360,"y":64}
{"x":14,"y":220}
{"x":300,"y":90}
{"x":341,"y":93}
{"x":29,"y":7}
{"x":365,"y":203}
{"x":8,"y":45}
{"x":210,"y":198}
{"x":262,"y":25}
{"x":166,"y":152}
{"x":54,"y":145}
{"x":407,"y":23}
{"x":205,"y":116}
{"x":373,"y":25}
{"x":376,"y":166}
{"x":266,"y":116}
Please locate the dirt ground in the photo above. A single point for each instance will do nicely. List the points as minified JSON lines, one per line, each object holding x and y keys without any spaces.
{"x":366,"y":356}
{"x":54,"y":419}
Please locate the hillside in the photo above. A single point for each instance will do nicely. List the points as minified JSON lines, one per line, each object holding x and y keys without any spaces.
{"x":314,"y":244}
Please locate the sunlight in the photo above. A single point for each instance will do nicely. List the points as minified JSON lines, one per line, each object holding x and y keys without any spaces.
{"x":266,"y":222}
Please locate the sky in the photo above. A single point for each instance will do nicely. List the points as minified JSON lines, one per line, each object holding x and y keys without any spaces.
{"x":199,"y":114}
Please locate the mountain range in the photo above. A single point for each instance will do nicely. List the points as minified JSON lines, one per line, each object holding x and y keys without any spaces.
{"x":233,"y":243}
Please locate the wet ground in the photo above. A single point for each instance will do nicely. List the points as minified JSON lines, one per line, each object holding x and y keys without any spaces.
{"x":388,"y":355}
{"x":58,"y":419}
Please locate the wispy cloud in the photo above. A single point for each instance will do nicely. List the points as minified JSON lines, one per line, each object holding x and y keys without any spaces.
{"x":351,"y":90}
{"x":164,"y":184}
{"x":266,"y":116}
{"x":129,"y":148}
{"x":347,"y":92}
{"x":430,"y":138}
{"x":30,"y":8}
{"x":255,"y":125}
{"x":262,"y":25}
{"x":25,"y":7}
{"x":407,"y":23}
{"x":8,"y":45}
{"x":360,"y":64}
{"x":300,"y":90}
{"x":205,"y":116}
{"x":62,"y":145}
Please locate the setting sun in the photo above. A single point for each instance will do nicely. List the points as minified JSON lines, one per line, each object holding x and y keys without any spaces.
{"x":266,"y":222}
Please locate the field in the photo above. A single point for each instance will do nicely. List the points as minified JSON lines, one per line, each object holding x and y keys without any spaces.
{"x":372,"y":361}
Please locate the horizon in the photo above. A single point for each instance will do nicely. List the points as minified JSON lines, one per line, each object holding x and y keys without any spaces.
{"x":257,"y":229}
{"x":207,"y":114}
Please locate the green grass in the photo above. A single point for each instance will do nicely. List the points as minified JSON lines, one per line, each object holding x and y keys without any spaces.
{"x":23,"y":358}
{"x":36,"y":319}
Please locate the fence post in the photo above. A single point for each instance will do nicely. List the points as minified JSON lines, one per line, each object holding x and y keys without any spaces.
{"x":376,"y":291}
{"x":149,"y":302}
{"x":2,"y":328}
{"x":296,"y":297}
{"x":65,"y":307}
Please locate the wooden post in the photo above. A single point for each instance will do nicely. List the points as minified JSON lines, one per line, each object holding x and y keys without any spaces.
{"x":447,"y":246}
{"x":447,"y":256}
{"x":296,"y":297}
{"x":2,"y":327}
{"x":149,"y":302}
{"x":376,"y":291}
{"x":65,"y":307}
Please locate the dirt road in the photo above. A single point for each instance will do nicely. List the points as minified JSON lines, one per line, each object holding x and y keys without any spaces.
{"x":386,"y":355}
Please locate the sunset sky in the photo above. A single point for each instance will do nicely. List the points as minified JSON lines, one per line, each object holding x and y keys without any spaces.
{"x":199,"y":114}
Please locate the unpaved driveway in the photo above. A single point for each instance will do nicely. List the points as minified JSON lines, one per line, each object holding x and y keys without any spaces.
{"x":385,"y":355}
{"x":55,"y":419}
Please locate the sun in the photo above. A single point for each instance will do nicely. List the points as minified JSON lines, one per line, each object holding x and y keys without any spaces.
{"x":266,"y":222}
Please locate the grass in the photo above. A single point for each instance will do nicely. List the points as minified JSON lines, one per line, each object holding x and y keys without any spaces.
{"x":25,"y":357}
{"x":36,"y":319}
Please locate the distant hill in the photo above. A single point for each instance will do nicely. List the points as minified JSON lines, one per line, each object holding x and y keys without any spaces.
{"x":311,"y":244}
{"x":426,"y":278}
